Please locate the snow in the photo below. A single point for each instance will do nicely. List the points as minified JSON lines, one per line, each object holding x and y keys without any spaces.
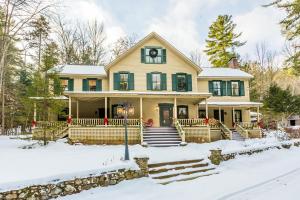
{"x":231,"y":103}
{"x":273,"y":174}
{"x":223,"y":72}
{"x":81,"y":70}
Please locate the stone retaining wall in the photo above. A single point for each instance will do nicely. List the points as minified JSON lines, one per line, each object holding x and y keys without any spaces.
{"x":76,"y":185}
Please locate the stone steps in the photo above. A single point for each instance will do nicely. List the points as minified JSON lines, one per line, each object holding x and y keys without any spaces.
{"x":161,"y":137}
{"x":168,"y":172}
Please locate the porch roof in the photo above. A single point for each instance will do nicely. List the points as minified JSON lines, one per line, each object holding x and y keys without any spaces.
{"x":230,"y":103}
{"x":199,"y":95}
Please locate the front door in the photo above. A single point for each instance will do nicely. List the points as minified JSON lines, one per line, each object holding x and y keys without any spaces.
{"x":165,"y":114}
{"x":238,"y":116}
{"x":217,"y":116}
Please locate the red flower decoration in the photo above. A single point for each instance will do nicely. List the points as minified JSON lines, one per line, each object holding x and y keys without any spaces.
{"x":105,"y":121}
{"x":69,"y":120}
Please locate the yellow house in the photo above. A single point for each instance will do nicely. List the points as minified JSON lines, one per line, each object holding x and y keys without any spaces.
{"x":170,"y":100}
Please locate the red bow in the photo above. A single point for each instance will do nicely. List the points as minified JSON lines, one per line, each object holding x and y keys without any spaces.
{"x":206,"y":120}
{"x":33,"y":123}
{"x":105,"y":121}
{"x":69,"y":120}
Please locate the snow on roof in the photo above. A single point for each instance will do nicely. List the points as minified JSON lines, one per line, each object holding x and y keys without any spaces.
{"x":231,"y":103}
{"x":223,"y":72}
{"x":93,"y":70}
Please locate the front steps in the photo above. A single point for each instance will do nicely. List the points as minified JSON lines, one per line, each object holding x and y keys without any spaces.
{"x":169,"y":172}
{"x":161,"y":137}
{"x":237,"y":136}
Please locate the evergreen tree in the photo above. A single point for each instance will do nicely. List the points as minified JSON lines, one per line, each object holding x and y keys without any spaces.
{"x":222,"y":41}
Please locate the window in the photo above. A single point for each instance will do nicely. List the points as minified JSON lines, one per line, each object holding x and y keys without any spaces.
{"x":64,"y":84}
{"x":92,"y":84}
{"x":292,"y":122}
{"x":202,"y":113}
{"x":182,"y":112}
{"x":181,"y":82}
{"x":124,"y":81}
{"x":153,"y":55}
{"x":156,"y":81}
{"x":217,"y":88}
{"x":235,"y":88}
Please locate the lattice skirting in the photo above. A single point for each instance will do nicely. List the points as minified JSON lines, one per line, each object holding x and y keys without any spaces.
{"x":255,"y":133}
{"x":103,"y":135}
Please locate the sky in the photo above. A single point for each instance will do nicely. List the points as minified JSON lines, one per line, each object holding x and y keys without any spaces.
{"x":184,"y":23}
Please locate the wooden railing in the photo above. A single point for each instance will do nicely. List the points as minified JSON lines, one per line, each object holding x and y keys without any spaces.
{"x":249,"y":125}
{"x":141,"y":131}
{"x":192,"y":122}
{"x":180,"y":130}
{"x":226,"y":132}
{"x":50,"y":130}
{"x":100,"y":122}
{"x":242,"y":131}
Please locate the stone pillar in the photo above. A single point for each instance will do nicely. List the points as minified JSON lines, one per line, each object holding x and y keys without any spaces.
{"x":143,"y":164}
{"x":215,"y":156}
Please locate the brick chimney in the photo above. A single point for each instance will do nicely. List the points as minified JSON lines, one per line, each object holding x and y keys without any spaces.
{"x":233,"y":63}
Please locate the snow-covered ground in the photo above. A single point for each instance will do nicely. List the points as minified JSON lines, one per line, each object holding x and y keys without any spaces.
{"x":58,"y":159}
{"x":274,"y":174}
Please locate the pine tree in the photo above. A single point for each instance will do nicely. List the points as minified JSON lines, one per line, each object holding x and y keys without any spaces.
{"x":222,"y":41}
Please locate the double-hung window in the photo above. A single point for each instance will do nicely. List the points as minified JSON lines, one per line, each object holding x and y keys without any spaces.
{"x":123,"y":81}
{"x":92,"y":84}
{"x":156,"y":81}
{"x":181,"y":83}
{"x":64,"y":84}
{"x":235,"y":90}
{"x":217,"y":88}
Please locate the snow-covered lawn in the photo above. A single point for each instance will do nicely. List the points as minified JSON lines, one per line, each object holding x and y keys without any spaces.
{"x":18,"y":164}
{"x":274,"y":174}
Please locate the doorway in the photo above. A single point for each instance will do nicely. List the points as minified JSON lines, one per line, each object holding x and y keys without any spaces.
{"x":165,"y":115}
{"x":237,"y":116}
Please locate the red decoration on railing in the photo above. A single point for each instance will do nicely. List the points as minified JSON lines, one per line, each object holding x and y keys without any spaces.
{"x":206,"y":121}
{"x":33,"y":123}
{"x":105,"y":121}
{"x":69,"y":120}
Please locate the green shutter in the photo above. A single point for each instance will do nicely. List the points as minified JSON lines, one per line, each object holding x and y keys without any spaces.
{"x":70,"y":84}
{"x":229,"y":90}
{"x":210,"y":86}
{"x":164,"y":56}
{"x":242,"y":88}
{"x":163,"y":81}
{"x":116,"y":81}
{"x":130,"y":81}
{"x":142,"y":55}
{"x":149,"y":81}
{"x":174,"y":82}
{"x":223,"y":88}
{"x":56,"y":86}
{"x":85,"y":85}
{"x":189,"y":82}
{"x":98,"y":85}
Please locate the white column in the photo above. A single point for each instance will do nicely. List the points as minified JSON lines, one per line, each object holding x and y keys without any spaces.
{"x":233,"y":115}
{"x":70,"y":107}
{"x":77,"y":109}
{"x":206,"y":109}
{"x":105,"y":107}
{"x":220,"y":116}
{"x":197,"y":114}
{"x":175,"y":108}
{"x":258,"y":114}
{"x":34,"y":111}
{"x":141,"y":108}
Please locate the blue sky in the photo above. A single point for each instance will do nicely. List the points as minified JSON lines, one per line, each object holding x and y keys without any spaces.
{"x":183,"y":22}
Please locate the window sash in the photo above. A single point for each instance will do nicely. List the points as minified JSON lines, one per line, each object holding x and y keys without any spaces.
{"x":156,"y":81}
{"x":92,"y":85}
{"x":123,"y":81}
{"x":157,"y":60}
{"x":217,"y":88}
{"x":181,"y":83}
{"x":64,"y":84}
{"x":235,"y":90}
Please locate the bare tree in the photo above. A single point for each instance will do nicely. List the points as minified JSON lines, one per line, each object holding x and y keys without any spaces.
{"x":123,"y":44}
{"x":15,"y":19}
{"x":197,"y":57}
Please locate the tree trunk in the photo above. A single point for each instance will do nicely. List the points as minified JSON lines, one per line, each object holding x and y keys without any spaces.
{"x":3,"y":110}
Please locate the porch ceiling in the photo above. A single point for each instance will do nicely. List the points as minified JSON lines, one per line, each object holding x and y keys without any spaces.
{"x":233,"y":104}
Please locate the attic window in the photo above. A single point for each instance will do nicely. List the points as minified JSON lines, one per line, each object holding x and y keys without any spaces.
{"x":153,"y":55}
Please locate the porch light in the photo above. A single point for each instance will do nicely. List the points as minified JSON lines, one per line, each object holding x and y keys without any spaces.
{"x":130,"y":110}
{"x":120,"y":110}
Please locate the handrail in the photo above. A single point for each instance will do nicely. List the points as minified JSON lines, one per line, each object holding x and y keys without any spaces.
{"x":249,"y":125}
{"x":100,"y":122}
{"x":241,"y":130}
{"x":52,"y":129}
{"x":180,"y":130}
{"x":192,"y":122}
{"x":225,"y":130}
{"x":141,"y":131}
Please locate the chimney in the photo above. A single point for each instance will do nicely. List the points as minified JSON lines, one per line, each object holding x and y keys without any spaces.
{"x":233,"y":63}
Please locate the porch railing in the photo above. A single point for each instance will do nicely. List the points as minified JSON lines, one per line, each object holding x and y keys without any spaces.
{"x":100,"y":122}
{"x":192,"y":122}
{"x":50,"y":130}
{"x":226,"y":132}
{"x":180,"y":130}
{"x":242,"y":131}
{"x":249,"y":125}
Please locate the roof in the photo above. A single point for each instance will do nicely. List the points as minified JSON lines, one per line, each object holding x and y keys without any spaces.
{"x":163,"y":41}
{"x":223,"y":72}
{"x":294,"y":117}
{"x":231,"y":103}
{"x":88,"y":70}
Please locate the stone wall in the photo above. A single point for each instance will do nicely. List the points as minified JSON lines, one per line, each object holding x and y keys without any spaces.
{"x":76,"y":185}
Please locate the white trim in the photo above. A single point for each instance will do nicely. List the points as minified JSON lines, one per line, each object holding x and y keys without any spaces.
{"x":223,"y":103}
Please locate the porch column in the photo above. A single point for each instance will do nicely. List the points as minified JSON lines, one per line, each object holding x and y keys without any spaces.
{"x":70,"y":107}
{"x":233,"y":115}
{"x":197,"y":114}
{"x":206,"y":109}
{"x":34,"y":115}
{"x":141,"y":108}
{"x":258,"y":114}
{"x":77,"y":109}
{"x":105,"y":107}
{"x":220,"y":118}
{"x":175,"y":108}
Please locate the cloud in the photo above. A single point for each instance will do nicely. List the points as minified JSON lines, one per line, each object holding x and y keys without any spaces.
{"x":260,"y":25}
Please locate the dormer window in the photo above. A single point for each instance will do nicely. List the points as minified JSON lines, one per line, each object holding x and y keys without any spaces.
{"x":153,"y":55}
